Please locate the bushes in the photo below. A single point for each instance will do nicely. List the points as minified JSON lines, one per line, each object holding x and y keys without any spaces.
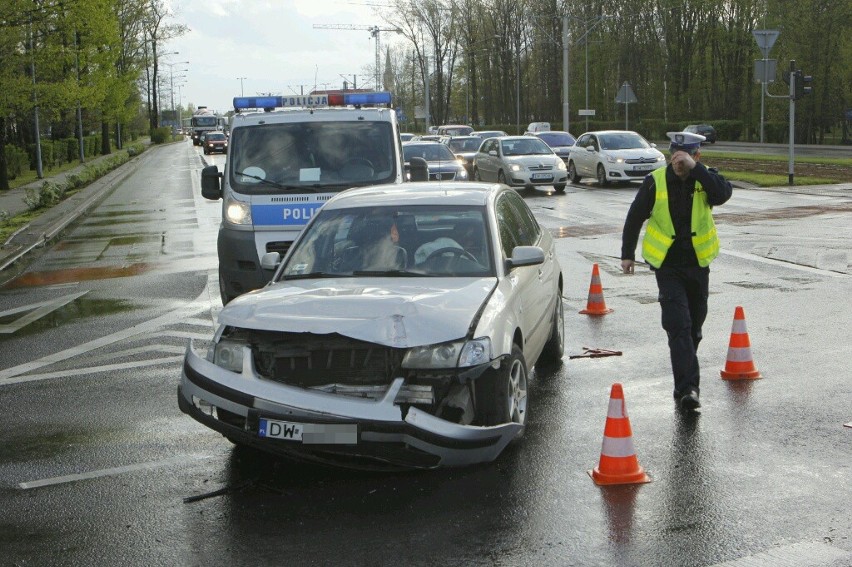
{"x":16,"y":161}
{"x":161,"y":135}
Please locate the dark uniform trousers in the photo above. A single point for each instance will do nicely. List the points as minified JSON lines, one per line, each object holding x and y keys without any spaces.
{"x":683,"y":301}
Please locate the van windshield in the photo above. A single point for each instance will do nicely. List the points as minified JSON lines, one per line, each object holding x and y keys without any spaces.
{"x":316,"y":155}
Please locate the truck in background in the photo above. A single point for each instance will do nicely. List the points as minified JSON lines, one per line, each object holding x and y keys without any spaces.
{"x":204,"y":120}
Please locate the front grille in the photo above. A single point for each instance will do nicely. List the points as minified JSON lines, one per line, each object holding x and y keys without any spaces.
{"x":641,"y":160}
{"x":308,"y":360}
{"x":445,"y":176}
{"x":541,"y":167}
{"x":280,"y":247}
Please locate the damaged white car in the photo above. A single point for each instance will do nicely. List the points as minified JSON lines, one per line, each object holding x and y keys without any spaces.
{"x":399,"y":332}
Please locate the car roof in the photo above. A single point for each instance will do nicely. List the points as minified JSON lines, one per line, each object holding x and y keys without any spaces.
{"x":610,"y":132}
{"x":416,"y":193}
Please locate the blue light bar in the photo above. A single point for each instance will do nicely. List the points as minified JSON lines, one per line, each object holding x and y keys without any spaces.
{"x":311,"y":101}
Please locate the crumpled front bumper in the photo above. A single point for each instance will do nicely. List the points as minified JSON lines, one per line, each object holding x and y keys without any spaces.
{"x":415,"y":440}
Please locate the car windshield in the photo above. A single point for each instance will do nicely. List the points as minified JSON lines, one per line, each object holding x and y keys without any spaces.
{"x":623,"y":141}
{"x":528,"y":146}
{"x":215,"y":137}
{"x":429,"y":152}
{"x":393,"y":241}
{"x":464,"y":144}
{"x":490,"y":134}
{"x":318,"y":155}
{"x":553,"y":139}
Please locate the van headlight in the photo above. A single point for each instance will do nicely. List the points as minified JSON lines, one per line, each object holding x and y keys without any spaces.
{"x":238,"y":212}
{"x":229,"y":355}
{"x":456,"y":354}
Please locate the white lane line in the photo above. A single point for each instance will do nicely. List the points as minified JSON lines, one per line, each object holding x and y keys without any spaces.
{"x":36,"y":312}
{"x":91,"y":370}
{"x":200,"y":303}
{"x":147,"y":349}
{"x":109,"y":472}
{"x":783,"y":263}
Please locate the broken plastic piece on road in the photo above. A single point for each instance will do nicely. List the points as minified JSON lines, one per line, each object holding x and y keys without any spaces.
{"x":596,"y":353}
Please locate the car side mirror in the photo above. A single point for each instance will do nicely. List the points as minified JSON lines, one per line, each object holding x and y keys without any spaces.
{"x":653,"y":145}
{"x":590,"y":148}
{"x":270,"y":260}
{"x":418,"y":169}
{"x":525,"y":256}
{"x":210,"y":183}
{"x":493,"y":153}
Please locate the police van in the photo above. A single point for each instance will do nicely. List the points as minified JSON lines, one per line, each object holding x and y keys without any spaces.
{"x":287,"y":155}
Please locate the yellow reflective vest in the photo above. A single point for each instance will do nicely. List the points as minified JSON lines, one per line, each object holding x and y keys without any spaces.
{"x":660,"y":233}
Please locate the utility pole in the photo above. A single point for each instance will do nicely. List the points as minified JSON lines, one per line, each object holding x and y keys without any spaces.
{"x":375,"y":32}
{"x":566,"y":106}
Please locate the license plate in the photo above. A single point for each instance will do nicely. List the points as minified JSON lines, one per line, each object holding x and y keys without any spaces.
{"x":309,"y":433}
{"x":542,"y":176}
{"x":642,"y":168}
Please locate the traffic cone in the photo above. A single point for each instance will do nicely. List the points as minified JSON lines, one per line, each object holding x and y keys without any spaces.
{"x":596,"y":304}
{"x":739,"y":365}
{"x":618,"y":464}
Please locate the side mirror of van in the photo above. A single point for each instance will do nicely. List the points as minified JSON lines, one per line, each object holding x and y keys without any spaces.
{"x":418,"y":169}
{"x":210,"y":183}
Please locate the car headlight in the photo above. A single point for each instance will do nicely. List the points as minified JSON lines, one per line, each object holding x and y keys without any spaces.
{"x":561,"y":165}
{"x":516,"y":167}
{"x":661,"y":157}
{"x":613,"y":159}
{"x":238,"y":212}
{"x":461,"y":174}
{"x":457,"y":354}
{"x":229,"y":355}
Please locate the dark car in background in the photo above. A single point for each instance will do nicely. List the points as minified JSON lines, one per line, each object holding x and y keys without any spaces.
{"x":464,"y":148}
{"x":559,"y":141}
{"x":442,"y":164}
{"x":704,"y":130}
{"x":215,"y":142}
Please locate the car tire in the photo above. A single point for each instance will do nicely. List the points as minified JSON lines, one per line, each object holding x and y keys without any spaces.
{"x":501,"y":177}
{"x":476,"y":176}
{"x":560,"y":187}
{"x":501,"y":394}
{"x":554,"y":349}
{"x":601,"y":175}
{"x":572,"y":173}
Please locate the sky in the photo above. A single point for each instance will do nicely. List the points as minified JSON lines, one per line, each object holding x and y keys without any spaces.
{"x":272,"y":44}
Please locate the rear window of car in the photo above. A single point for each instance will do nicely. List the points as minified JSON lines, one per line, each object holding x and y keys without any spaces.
{"x":557,"y":139}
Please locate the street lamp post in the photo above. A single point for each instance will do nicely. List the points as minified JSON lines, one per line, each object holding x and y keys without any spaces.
{"x":172,"y":81}
{"x":242,"y":91}
{"x":584,"y":39}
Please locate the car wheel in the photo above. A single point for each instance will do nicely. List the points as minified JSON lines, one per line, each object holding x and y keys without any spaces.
{"x":476,"y":176}
{"x":555,"y":346}
{"x":572,"y":173}
{"x":560,"y":187}
{"x":601,"y":175}
{"x":501,"y":177}
{"x":501,"y":394}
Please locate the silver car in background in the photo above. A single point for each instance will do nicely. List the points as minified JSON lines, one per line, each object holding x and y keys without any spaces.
{"x":520,"y":161}
{"x":613,"y":155}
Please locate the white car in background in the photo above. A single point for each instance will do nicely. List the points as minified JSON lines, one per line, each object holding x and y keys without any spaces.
{"x":612,"y":156}
{"x":400,"y":331}
{"x":519,"y":161}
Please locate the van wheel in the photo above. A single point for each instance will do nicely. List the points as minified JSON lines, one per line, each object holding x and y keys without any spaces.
{"x":501,"y":394}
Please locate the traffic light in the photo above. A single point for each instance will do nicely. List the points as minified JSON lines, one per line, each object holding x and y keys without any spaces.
{"x":802,"y":82}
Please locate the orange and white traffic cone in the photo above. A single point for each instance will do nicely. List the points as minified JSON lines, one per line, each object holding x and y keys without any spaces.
{"x":618,"y":464}
{"x":739,"y":365}
{"x":596,"y":304}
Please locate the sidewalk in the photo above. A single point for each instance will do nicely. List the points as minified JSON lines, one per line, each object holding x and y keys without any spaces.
{"x":54,"y":219}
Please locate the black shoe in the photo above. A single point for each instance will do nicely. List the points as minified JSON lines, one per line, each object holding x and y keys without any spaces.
{"x":689,"y":401}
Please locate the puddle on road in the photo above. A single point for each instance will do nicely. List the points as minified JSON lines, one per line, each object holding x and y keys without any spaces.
{"x":80,"y":308}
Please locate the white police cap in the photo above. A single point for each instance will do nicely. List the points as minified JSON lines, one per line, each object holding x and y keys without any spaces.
{"x":685,"y":141}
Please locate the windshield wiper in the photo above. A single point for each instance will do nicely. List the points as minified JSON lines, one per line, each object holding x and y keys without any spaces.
{"x":276,"y":184}
{"x":391,"y":273}
{"x":312,"y":275}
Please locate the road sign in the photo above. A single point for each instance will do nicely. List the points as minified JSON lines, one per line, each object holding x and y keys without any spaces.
{"x":586,"y":112}
{"x":625,"y":95}
{"x":765,"y":40}
{"x":771,"y":70}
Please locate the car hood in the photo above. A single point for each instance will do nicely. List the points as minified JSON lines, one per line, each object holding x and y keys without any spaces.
{"x":387,"y":311}
{"x":543,"y":159}
{"x":443,"y":166}
{"x":635,"y":153}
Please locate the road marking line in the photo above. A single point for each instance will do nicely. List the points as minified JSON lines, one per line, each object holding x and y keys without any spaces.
{"x":109,"y":472}
{"x":36,"y":311}
{"x":147,"y":349}
{"x":90,"y":370}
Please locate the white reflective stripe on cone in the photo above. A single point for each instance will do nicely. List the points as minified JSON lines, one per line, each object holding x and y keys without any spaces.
{"x":617,"y":447}
{"x":742,"y":354}
{"x":616,"y":408}
{"x":739,"y":327}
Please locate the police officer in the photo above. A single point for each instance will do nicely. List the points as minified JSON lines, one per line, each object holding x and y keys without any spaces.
{"x":679,"y":244}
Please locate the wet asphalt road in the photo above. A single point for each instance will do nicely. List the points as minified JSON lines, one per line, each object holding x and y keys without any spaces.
{"x":98,"y":466}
